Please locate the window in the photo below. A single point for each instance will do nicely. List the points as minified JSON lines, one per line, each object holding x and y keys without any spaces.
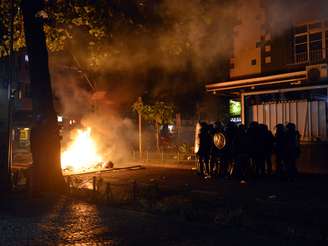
{"x":308,"y":43}
{"x":253,"y":62}
{"x":300,"y":29}
{"x":267,"y":59}
{"x":315,"y":46}
{"x":316,"y":25}
{"x":268,"y":48}
{"x":301,"y":39}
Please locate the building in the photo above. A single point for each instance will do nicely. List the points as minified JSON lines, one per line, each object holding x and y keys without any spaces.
{"x":279,"y":70}
{"x":22,"y":105}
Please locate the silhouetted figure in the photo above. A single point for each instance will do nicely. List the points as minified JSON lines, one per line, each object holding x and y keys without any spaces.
{"x":241,"y":153}
{"x":259,"y":153}
{"x":216,"y":153}
{"x":204,"y":148}
{"x":292,"y":149}
{"x":227,"y":152}
{"x":268,"y":149}
{"x":252,"y":134}
{"x":279,"y":148}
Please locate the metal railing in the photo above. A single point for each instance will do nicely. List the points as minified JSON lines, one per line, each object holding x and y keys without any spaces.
{"x":311,"y":57}
{"x":164,"y":156}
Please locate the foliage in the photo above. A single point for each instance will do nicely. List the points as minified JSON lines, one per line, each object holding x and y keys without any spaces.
{"x":90,"y":22}
{"x":160,"y":113}
{"x":62,"y":19}
{"x":163,"y":24}
{"x":5,"y":23}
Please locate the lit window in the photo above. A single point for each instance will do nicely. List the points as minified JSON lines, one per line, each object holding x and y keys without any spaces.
{"x":268,"y":59}
{"x":26,"y":58}
{"x":268,"y":48}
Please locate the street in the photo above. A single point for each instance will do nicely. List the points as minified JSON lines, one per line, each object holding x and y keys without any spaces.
{"x":187,"y":211}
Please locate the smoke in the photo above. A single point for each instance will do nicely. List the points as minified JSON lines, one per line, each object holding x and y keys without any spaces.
{"x":115,"y":136}
{"x":200,"y":31}
{"x":74,"y":100}
{"x":172,"y":55}
{"x":282,"y":15}
{"x":181,"y":43}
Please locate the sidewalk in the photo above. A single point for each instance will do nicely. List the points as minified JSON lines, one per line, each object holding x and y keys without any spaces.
{"x":183,"y":165}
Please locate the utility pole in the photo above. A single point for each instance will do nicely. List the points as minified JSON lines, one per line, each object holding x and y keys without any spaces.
{"x":140,"y":127}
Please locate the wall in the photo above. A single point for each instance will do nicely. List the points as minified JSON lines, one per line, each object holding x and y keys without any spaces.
{"x":310,"y":118}
{"x":248,"y":36}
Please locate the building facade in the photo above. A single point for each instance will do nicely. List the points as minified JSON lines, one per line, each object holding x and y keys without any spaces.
{"x":279,"y":74}
{"x":21,"y":112}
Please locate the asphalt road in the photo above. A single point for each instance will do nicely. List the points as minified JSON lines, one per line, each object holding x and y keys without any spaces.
{"x":261,"y":212}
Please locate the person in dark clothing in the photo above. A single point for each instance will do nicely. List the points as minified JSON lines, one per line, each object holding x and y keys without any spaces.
{"x":227,"y":152}
{"x":216,"y":153}
{"x":279,"y":149}
{"x":268,"y":149}
{"x":212,"y":156}
{"x":204,"y":149}
{"x":241,"y":153}
{"x":292,"y":150}
{"x":259,"y":152}
{"x":252,"y":134}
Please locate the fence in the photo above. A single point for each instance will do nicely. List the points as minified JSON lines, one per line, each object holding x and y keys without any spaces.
{"x":312,"y":57}
{"x":163,"y":156}
{"x":98,"y":188}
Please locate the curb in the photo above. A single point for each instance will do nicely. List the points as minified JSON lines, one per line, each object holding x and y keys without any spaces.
{"x":182,"y":166}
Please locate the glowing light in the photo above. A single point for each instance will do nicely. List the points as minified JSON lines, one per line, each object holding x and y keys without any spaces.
{"x":60,"y":118}
{"x":81,"y":154}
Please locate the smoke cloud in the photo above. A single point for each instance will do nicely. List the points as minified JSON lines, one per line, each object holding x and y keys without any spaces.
{"x":282,"y":15}
{"x":115,"y":136}
{"x":173,"y":54}
{"x":183,"y":41}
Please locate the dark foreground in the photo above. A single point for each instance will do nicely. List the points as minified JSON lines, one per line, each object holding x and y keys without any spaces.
{"x":185,"y":211}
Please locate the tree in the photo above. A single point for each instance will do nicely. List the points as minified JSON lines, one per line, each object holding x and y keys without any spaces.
{"x":45,"y":140}
{"x":159,"y":114}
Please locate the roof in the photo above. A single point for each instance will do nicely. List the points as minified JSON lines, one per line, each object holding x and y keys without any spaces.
{"x":259,"y":83}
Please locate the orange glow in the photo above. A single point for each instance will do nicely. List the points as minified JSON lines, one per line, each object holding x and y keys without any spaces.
{"x":81,"y":154}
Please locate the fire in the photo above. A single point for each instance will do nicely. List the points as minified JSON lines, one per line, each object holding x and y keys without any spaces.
{"x":82,"y":153}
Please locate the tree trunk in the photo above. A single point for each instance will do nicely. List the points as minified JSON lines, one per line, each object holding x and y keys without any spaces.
{"x":45,"y":140}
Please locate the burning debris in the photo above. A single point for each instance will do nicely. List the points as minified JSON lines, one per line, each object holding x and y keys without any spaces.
{"x":82,"y":154}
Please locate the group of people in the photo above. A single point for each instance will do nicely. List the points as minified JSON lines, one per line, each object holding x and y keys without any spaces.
{"x":236,"y":151}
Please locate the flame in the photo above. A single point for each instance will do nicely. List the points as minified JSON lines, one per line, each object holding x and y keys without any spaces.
{"x":82,"y":153}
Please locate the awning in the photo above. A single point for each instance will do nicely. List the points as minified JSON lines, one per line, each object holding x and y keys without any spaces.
{"x":294,"y":79}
